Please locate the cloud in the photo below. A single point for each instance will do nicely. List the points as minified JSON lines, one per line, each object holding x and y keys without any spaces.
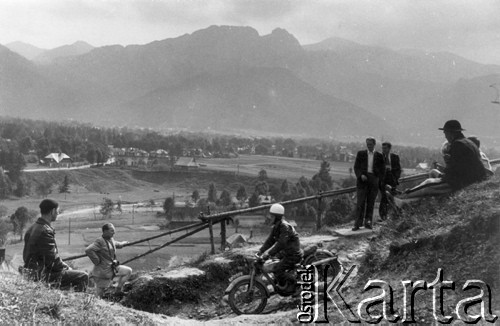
{"x":258,"y":11}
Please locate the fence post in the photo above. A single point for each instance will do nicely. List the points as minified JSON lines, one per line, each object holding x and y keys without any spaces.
{"x":318,"y":215}
{"x":223,"y":235}
{"x":211,"y":230}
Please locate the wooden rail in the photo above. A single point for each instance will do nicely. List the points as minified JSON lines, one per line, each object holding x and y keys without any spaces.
{"x":187,"y":227}
{"x":495,"y":161}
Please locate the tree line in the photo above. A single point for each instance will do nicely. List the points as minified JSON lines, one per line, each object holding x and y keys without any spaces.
{"x":25,"y":141}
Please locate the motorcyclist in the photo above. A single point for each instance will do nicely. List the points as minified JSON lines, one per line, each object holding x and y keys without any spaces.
{"x":283,"y":241}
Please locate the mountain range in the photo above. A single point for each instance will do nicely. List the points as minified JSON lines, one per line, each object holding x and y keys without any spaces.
{"x":44,"y":56}
{"x":231,"y":79}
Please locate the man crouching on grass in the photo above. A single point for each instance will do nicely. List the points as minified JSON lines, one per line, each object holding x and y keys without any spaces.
{"x":102,"y":253}
{"x":41,"y":256}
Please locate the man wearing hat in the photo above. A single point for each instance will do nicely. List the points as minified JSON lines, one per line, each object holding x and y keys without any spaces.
{"x":463,"y":166}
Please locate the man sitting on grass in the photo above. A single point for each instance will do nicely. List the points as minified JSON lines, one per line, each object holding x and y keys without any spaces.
{"x":463,"y":167}
{"x":41,"y":256}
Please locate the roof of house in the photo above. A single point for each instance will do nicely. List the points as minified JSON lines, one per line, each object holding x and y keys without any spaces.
{"x":58,"y":157}
{"x":265,"y":199}
{"x":186,"y":161}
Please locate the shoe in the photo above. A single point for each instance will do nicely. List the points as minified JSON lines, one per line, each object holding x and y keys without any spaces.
{"x":356,"y":228}
{"x":368,"y":226}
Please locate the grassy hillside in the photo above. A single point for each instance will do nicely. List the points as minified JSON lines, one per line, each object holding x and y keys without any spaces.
{"x":459,"y":234}
{"x":23,"y":302}
{"x":115,"y":180}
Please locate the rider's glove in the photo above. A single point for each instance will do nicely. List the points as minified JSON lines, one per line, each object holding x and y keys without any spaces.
{"x":265,"y":256}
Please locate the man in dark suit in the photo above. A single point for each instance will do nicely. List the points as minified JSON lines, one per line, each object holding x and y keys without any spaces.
{"x":391,"y":177}
{"x":369,"y":167}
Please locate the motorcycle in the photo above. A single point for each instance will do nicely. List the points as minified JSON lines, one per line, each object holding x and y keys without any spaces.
{"x":248,"y":294}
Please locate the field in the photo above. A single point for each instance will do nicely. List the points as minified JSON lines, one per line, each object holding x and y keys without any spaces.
{"x":277,"y":167}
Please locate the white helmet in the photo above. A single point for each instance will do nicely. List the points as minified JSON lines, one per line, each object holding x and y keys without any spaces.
{"x":277,"y":209}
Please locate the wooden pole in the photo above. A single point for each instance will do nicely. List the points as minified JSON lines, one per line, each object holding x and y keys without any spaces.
{"x":212,"y":244}
{"x":223,"y":235}
{"x":69,"y":230}
{"x":318,"y":215}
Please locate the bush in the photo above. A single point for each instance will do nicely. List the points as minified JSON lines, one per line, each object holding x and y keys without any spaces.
{"x":340,"y":210}
{"x":160,"y":291}
{"x":107,"y":207}
{"x":5,"y":228}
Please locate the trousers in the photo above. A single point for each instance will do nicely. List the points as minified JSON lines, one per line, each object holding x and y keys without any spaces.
{"x":366,"y":193}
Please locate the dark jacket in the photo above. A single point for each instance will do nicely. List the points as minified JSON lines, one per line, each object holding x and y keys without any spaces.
{"x":284,"y":240}
{"x":464,"y":166}
{"x":361,"y":164}
{"x":40,"y":249}
{"x":394,"y":174}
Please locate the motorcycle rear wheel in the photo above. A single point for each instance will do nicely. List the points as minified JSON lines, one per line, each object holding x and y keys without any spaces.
{"x":243,"y":302}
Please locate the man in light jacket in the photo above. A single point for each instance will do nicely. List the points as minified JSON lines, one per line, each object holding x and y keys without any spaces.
{"x":102,"y":253}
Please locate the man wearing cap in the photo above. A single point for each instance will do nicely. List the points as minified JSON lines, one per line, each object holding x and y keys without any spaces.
{"x":41,"y":256}
{"x":463,"y":166}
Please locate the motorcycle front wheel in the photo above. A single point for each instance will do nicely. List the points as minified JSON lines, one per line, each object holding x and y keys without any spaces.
{"x":245,"y":302}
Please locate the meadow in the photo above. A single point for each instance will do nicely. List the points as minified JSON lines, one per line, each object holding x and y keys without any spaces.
{"x":277,"y":167}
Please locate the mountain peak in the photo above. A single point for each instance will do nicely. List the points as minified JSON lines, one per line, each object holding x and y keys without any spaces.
{"x":24,"y":49}
{"x":77,"y":48}
{"x":335,"y":44}
{"x":283,"y":36}
{"x":226,"y":30}
{"x":82,"y":44}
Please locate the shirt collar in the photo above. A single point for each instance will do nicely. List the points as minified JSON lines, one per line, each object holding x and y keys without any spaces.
{"x":44,"y":222}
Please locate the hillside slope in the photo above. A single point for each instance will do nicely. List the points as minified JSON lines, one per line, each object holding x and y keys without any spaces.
{"x":459,"y":234}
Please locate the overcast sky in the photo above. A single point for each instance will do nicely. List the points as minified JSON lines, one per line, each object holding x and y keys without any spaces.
{"x":470,"y":28}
